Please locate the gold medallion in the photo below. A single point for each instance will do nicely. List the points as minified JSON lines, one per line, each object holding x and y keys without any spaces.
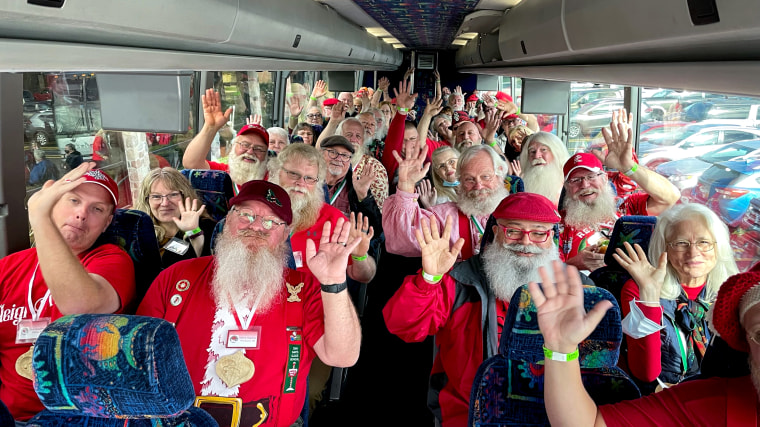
{"x":24,"y":364}
{"x":234,"y":369}
{"x":294,"y":290}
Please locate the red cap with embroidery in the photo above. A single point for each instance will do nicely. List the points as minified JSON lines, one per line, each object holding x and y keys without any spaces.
{"x":582,"y":160}
{"x":270,"y":194}
{"x":472,"y":98}
{"x":726,"y":316}
{"x":330,"y":101}
{"x":97,"y":176}
{"x":257,"y":129}
{"x":459,"y":117}
{"x":501,"y":96}
{"x":528,"y":207}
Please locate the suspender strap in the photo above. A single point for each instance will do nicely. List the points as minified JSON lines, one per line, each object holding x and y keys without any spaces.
{"x":464,"y":232}
{"x":184,"y":288}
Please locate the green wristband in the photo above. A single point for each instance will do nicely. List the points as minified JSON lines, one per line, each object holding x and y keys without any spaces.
{"x":632,"y":170}
{"x":403,"y":110}
{"x":359,"y":258}
{"x":313,"y":98}
{"x":192,"y":232}
{"x":431,"y":278}
{"x":560,"y":357}
{"x":492,"y":143}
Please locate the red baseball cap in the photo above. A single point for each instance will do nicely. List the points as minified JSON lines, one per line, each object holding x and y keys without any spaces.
{"x":97,"y":176}
{"x":501,"y":96}
{"x":529,"y":207}
{"x":735,"y":296}
{"x":582,"y":160}
{"x":472,"y":97}
{"x":257,"y":129}
{"x":270,"y":194}
{"x":330,"y":101}
{"x":458,"y":117}
{"x":511,"y":117}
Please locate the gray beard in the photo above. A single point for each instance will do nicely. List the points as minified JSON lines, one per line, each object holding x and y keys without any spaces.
{"x":507,"y":271}
{"x":358,"y":154}
{"x":544,"y":180}
{"x":242,"y":172}
{"x":244,"y":276}
{"x":470,"y":205}
{"x":579,"y":214}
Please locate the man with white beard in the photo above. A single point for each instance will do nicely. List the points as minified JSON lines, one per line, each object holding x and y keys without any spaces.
{"x":481,"y":175}
{"x":541,"y":161}
{"x":590,"y":209}
{"x":716,"y":401}
{"x":465,"y":305}
{"x":249,"y":326}
{"x":247,"y":160}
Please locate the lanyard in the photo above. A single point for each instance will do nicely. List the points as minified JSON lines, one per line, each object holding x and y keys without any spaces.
{"x":477,"y":224}
{"x":36,"y":314}
{"x":681,"y":346}
{"x":245,"y":321}
{"x":337,"y":192}
{"x":235,"y":189}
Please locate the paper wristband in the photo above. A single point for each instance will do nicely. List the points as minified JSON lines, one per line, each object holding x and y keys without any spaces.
{"x":560,"y":357}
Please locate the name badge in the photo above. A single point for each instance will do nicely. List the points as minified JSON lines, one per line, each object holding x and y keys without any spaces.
{"x":298,"y":258}
{"x":177,"y":246}
{"x":245,"y":339}
{"x":28,"y":330}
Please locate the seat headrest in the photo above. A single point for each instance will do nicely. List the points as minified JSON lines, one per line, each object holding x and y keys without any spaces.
{"x":632,"y":229}
{"x":112,"y":366}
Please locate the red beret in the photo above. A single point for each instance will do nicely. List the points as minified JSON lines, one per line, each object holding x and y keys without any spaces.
{"x":529,"y":207}
{"x":725,"y":316}
{"x":582,"y":160}
{"x":270,"y":194}
{"x":257,"y":129}
{"x":472,"y":97}
{"x":97,"y":176}
{"x":501,"y":96}
{"x":330,"y":101}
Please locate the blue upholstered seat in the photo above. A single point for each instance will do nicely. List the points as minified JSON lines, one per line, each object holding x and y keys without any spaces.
{"x":508,"y":389}
{"x":113,"y":370}
{"x":214,"y":188}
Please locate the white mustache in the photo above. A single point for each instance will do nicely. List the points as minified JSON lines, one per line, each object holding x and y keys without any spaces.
{"x":538,"y":162}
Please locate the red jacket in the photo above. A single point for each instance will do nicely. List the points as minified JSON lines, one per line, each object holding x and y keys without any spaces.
{"x":452,"y":310}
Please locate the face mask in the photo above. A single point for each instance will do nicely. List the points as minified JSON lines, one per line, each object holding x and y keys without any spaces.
{"x":637,"y":325}
{"x":450,"y":184}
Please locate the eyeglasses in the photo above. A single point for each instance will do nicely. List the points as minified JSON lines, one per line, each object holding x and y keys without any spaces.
{"x":579,"y":180}
{"x":247,"y":146}
{"x":266,"y":223}
{"x":448,"y":163}
{"x":344,"y":157}
{"x":172,"y":197}
{"x":295,"y":176}
{"x":535,"y":236}
{"x":685,"y":245}
{"x":314,"y":116}
{"x":473,"y":180}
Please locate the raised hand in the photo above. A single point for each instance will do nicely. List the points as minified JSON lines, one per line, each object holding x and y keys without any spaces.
{"x":437,"y":255}
{"x":320,"y":89}
{"x":404,"y":96}
{"x":619,"y":139}
{"x":338,"y":112}
{"x":437,"y":75}
{"x":515,"y":168}
{"x":409,"y":72}
{"x":562,"y":318}
{"x":253,"y":119}
{"x":294,"y":106}
{"x":383,"y":84}
{"x":428,"y":194}
{"x":434,"y":106}
{"x":648,"y":278}
{"x":486,"y":98}
{"x":364,"y":181}
{"x":458,"y":90}
{"x":361,"y":229}
{"x":330,"y":263}
{"x":412,"y":167}
{"x":212,"y":110}
{"x":41,"y":203}
{"x":366,"y":102}
{"x":189,"y":214}
{"x":493,"y":121}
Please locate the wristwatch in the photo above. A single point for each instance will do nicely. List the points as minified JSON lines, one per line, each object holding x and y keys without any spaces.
{"x":334,"y":289}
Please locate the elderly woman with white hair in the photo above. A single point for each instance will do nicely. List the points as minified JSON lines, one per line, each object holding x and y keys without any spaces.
{"x":664,"y":307}
{"x":541,"y":159}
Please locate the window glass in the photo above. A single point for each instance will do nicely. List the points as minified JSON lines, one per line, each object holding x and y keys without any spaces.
{"x":708,"y":146}
{"x":590,"y":109}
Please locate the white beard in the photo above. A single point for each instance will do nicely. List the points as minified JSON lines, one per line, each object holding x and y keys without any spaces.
{"x":579,"y":214}
{"x":381,"y":132}
{"x":544,"y":180}
{"x":242,"y":171}
{"x":507,"y":271}
{"x":468,"y":203}
{"x":359,"y":151}
{"x":305,"y":205}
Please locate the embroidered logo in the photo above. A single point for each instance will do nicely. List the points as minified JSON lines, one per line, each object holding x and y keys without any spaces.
{"x":294,"y":290}
{"x":182,"y":285}
{"x":271,"y":198}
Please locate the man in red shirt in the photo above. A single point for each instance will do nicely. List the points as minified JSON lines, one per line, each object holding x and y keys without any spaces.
{"x":249,"y":326}
{"x":590,"y":209}
{"x":248,"y":157}
{"x":63,"y":274}
{"x":713,"y":402}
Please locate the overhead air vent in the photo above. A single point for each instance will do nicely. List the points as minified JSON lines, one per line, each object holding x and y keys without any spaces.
{"x":426,"y":62}
{"x":47,"y":3}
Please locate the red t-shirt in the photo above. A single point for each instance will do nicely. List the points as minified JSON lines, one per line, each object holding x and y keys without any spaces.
{"x":216,"y":166}
{"x":711,"y":402}
{"x":298,"y":240}
{"x":16,"y":270}
{"x":573,"y":240}
{"x":194,"y":328}
{"x":97,"y":145}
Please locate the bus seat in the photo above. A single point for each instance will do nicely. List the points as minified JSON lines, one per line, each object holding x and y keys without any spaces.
{"x":132,"y":230}
{"x":509,"y":387}
{"x":214,"y":188}
{"x":514,"y":184}
{"x":632,"y":229}
{"x":113,"y":370}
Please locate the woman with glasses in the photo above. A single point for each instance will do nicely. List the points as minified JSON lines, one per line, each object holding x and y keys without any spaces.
{"x":183,"y":228}
{"x":306,"y":132}
{"x":445,"y":178}
{"x":664,"y":307}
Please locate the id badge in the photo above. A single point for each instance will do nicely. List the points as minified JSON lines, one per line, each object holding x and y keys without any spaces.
{"x":245,"y":339}
{"x":298,"y":258}
{"x":177,"y":246}
{"x":28,"y":330}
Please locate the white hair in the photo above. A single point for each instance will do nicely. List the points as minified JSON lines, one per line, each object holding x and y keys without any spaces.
{"x":278,"y":131}
{"x":559,"y":151}
{"x":500,"y":166}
